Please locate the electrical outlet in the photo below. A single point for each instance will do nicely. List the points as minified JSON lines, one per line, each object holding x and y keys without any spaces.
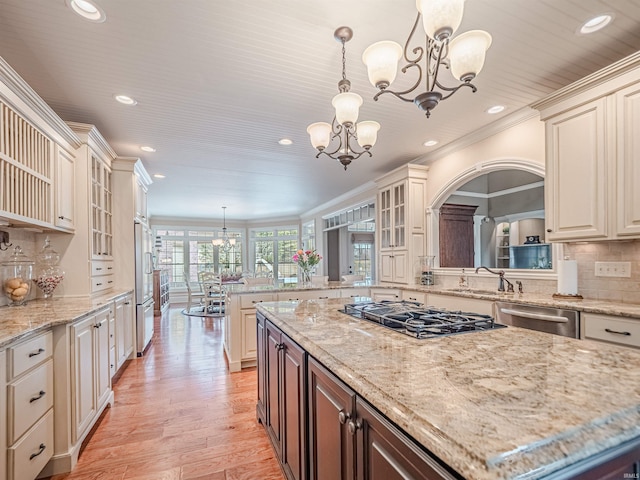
{"x":613,"y":269}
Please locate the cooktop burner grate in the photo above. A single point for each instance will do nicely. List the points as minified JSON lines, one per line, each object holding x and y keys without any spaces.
{"x":418,"y":320}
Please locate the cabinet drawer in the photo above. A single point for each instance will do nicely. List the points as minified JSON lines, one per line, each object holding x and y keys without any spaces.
{"x":101,"y":267}
{"x":28,"y":457}
{"x":249,"y":301}
{"x":612,"y":329}
{"x":29,"y":399}
{"x":299,"y":295}
{"x":101,"y":283}
{"x":28,"y":354}
{"x":354,"y":292}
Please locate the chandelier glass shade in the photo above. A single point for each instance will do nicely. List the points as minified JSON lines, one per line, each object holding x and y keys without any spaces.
{"x":464,"y":55}
{"x":225,"y":243}
{"x":343,"y":131}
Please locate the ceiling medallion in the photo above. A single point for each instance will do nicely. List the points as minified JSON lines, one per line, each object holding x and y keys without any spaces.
{"x":463,"y":55}
{"x":344,"y":127}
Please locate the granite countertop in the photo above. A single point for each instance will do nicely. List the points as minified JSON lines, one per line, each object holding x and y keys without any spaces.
{"x":38,"y":315}
{"x":545,"y":300}
{"x":507,"y":403}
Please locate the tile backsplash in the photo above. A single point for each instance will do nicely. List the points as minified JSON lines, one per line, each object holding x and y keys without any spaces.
{"x":623,"y":290}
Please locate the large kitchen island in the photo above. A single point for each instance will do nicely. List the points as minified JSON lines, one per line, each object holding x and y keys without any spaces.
{"x":505,"y":403}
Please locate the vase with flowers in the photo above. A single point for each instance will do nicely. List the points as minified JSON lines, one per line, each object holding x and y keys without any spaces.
{"x":306,"y":260}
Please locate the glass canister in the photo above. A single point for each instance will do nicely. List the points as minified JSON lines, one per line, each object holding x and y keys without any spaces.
{"x":426,"y":270}
{"x":48,"y":274}
{"x":16,"y":275}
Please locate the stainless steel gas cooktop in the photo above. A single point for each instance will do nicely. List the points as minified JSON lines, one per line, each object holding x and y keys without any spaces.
{"x":418,"y":320}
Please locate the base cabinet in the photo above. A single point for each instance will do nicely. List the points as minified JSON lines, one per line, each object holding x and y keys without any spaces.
{"x":285,"y":398}
{"x":91,"y":373}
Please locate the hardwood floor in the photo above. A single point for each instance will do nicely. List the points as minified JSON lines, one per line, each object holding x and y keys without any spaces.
{"x":179,"y":414}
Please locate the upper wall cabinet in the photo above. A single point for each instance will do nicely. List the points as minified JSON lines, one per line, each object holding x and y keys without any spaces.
{"x":142,"y":184}
{"x":401,"y":222}
{"x":593,"y":176}
{"x":36,"y":158}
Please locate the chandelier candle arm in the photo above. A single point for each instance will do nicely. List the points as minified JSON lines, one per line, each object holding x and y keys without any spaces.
{"x":225,"y":243}
{"x":465,"y":55}
{"x":343,"y":130}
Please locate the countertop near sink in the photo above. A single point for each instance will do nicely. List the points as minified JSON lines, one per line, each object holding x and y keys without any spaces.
{"x":545,"y":300}
{"x":36,"y":315}
{"x":492,"y":405}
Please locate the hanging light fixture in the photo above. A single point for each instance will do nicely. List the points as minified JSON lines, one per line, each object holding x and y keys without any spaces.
{"x":463,"y":55}
{"x":344,"y":127}
{"x":225,"y":243}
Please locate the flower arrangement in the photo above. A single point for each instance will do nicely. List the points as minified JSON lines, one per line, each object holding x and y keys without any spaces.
{"x":307,"y":259}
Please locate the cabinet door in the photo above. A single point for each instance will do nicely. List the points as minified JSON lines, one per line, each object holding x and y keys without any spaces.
{"x":331,"y":406}
{"x":384,"y":218}
{"x":262,"y":365}
{"x":249,"y":341}
{"x":272,"y":386}
{"x":575,"y":186}
{"x":118,"y":332}
{"x":628,"y":166}
{"x":103,"y":370}
{"x":386,"y":453}
{"x":65,"y":190}
{"x":293,"y":409}
{"x":399,"y":214}
{"x":128,"y":326}
{"x":141,"y":201}
{"x":401,"y":270}
{"x":386,"y":267}
{"x":84,"y":405}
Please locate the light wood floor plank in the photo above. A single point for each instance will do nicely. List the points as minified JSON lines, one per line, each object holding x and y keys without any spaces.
{"x":179,"y":414}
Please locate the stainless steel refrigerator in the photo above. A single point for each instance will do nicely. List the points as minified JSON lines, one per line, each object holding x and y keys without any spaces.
{"x":143,"y":286}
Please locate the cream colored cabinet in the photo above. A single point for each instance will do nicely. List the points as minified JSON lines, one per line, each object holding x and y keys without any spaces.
{"x":592,"y":173}
{"x":298,"y":295}
{"x":3,"y":410}
{"x":576,"y":174}
{"x":65,"y":190}
{"x":628,"y":165}
{"x":141,"y":199}
{"x":90,"y":370}
{"x":464,"y":304}
{"x":355,"y":292}
{"x":30,"y":406}
{"x":612,"y":329}
{"x":240,"y":345}
{"x":389,"y":294}
{"x":414,"y":296}
{"x":122,"y":332}
{"x":101,"y":209}
{"x":402,"y":222}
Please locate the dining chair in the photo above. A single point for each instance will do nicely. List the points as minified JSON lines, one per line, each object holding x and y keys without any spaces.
{"x":191,"y":294}
{"x":214,"y":294}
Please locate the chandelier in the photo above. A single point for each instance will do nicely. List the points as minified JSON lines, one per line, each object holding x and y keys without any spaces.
{"x":225,"y":243}
{"x":463,"y":55}
{"x":344,"y":127}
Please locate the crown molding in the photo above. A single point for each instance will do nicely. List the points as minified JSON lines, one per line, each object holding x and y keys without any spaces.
{"x":33,"y":101}
{"x":590,"y":81}
{"x":339,"y":200}
{"x":519,"y":116}
{"x":94,"y":136}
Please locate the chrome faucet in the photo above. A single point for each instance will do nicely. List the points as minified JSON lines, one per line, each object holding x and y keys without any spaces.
{"x":501,"y":281}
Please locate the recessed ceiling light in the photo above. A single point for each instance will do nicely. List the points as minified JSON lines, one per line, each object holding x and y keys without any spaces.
{"x":158,"y":175}
{"x":88,"y":10}
{"x":125,"y":99}
{"x":147,"y":149}
{"x":596,"y":23}
{"x":495,"y":109}
{"x":285,"y":141}
{"x":430,"y":143}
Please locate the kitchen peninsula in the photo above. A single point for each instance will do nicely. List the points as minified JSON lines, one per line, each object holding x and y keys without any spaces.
{"x":507,"y":403}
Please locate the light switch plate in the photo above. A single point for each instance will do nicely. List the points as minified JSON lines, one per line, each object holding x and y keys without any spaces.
{"x":613,"y":269}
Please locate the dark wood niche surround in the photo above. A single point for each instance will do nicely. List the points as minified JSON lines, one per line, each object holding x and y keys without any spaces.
{"x":456,"y":235}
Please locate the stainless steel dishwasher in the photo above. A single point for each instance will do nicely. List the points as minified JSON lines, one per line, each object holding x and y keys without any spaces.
{"x":543,"y":319}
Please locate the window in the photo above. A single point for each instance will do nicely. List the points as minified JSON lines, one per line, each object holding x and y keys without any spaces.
{"x":273,"y":251}
{"x":362,"y":240}
{"x":191,"y":251}
{"x":309,"y":235}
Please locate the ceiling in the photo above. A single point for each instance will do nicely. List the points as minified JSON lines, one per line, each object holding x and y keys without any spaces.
{"x":218,"y":83}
